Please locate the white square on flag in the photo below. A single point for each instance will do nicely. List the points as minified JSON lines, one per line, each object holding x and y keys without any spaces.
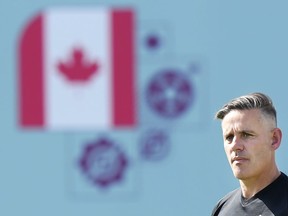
{"x":77,"y":69}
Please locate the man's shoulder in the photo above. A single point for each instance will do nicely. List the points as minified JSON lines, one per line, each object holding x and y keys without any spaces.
{"x":223,"y":200}
{"x":281,"y":182}
{"x":231,"y":194}
{"x":284,"y":177}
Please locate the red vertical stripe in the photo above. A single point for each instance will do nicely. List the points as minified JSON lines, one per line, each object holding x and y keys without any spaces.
{"x":123,"y":61}
{"x":31,"y":75}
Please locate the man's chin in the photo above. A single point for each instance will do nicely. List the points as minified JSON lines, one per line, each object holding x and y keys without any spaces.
{"x":240,"y":175}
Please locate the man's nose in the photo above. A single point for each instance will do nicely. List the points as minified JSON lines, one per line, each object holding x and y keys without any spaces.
{"x":237,"y":144}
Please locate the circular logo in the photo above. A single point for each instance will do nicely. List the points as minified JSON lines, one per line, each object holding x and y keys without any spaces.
{"x":169,"y":93}
{"x":103,"y":162}
{"x":154,"y":145}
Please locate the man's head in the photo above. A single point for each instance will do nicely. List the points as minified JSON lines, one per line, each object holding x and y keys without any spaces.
{"x":247,"y":102}
{"x":250,"y":136}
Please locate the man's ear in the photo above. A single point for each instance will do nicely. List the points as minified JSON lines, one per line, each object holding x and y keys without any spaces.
{"x":276,"y":138}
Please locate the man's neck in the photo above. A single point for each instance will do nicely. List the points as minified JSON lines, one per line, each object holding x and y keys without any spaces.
{"x":252,"y":186}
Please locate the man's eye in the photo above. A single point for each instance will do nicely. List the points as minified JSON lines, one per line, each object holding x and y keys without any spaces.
{"x":246,"y":135}
{"x":229,"y":138}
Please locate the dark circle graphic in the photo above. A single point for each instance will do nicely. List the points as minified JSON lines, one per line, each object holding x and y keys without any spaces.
{"x":152,"y":41}
{"x":103,"y":162}
{"x":170,"y":93}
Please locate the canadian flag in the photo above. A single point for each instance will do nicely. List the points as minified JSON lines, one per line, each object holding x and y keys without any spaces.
{"x":76,"y":69}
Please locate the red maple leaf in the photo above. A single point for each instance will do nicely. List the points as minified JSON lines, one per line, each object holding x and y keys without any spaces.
{"x":76,"y":69}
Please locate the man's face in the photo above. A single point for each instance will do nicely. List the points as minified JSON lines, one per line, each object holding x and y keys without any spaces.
{"x":248,"y":138}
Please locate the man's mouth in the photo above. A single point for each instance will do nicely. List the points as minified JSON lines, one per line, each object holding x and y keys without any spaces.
{"x":238,"y":159}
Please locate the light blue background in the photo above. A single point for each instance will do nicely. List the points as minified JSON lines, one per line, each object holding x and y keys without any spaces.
{"x":243,"y":48}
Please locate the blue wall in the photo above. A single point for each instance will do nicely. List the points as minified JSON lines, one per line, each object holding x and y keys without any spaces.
{"x":226,"y":48}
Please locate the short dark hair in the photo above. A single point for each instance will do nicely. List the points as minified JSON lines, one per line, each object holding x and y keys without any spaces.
{"x":255,"y":100}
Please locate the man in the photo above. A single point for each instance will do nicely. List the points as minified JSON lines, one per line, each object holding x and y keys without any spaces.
{"x":251,"y":137}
